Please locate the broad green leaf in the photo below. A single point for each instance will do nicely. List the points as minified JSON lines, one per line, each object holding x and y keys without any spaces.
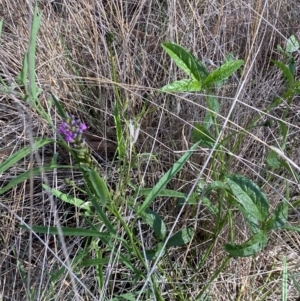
{"x":184,"y":85}
{"x":201,"y":70}
{"x":181,"y":237}
{"x":249,"y":196}
{"x":213,"y":104}
{"x":249,"y":248}
{"x":193,"y":200}
{"x":67,"y":231}
{"x":153,"y":254}
{"x":222,"y":73}
{"x":279,"y":217}
{"x":292,"y":44}
{"x":292,"y":66}
{"x":14,"y":158}
{"x":272,"y":159}
{"x":286,"y":72}
{"x":126,"y":297}
{"x":68,"y":198}
{"x":201,"y":135}
{"x":183,"y":59}
{"x":169,"y":175}
{"x":155,"y":222}
{"x":26,"y":175}
{"x":99,"y":187}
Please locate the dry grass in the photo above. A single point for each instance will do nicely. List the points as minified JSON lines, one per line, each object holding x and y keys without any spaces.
{"x":73,"y":62}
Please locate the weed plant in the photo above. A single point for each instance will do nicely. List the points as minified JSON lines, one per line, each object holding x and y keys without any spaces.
{"x":114,"y":216}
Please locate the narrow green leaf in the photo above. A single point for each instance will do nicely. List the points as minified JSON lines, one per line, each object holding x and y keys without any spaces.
{"x":202,"y":135}
{"x":68,"y":198}
{"x":67,"y":231}
{"x":1,"y":24}
{"x":94,"y":261}
{"x":284,"y":280}
{"x":99,"y":187}
{"x":58,"y":106}
{"x":249,"y":196}
{"x":22,"y":77}
{"x":249,"y":248}
{"x":166,"y":179}
{"x":17,"y":156}
{"x":292,"y":44}
{"x":26,"y":175}
{"x":181,"y":237}
{"x":164,"y":192}
{"x":222,"y":73}
{"x":184,"y":85}
{"x":279,"y":217}
{"x":291,"y":228}
{"x":286,"y":72}
{"x":36,"y":20}
{"x":155,"y":222}
{"x":183,"y":59}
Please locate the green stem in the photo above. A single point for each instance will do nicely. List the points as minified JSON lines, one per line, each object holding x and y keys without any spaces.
{"x":214,"y":276}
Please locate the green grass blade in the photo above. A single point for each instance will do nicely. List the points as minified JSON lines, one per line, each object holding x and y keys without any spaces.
{"x":32,"y":88}
{"x":67,"y":231}
{"x":284,"y":280}
{"x":166,"y":179}
{"x":14,"y":158}
{"x":26,"y":175}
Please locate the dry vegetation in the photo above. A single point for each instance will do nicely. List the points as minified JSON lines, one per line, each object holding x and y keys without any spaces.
{"x":73,"y":61}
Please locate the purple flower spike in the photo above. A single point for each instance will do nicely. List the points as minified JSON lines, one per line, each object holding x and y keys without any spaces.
{"x":72,"y":128}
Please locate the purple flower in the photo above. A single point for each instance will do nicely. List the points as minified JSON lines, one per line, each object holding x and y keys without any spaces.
{"x":71,"y":129}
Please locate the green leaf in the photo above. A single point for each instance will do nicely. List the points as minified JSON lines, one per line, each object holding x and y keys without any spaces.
{"x":284,"y":280}
{"x":272,"y":159}
{"x":1,"y":24}
{"x":153,"y":254}
{"x":94,"y":261}
{"x":58,"y":106}
{"x":155,"y":222}
{"x":201,"y":135}
{"x":169,"y":175}
{"x":184,"y":85}
{"x":292,"y":44}
{"x":67,"y":231}
{"x":99,"y":187}
{"x":286,"y":72}
{"x":185,"y":60}
{"x":291,"y":228}
{"x":222,"y":73}
{"x":212,"y":208}
{"x":279,"y":217}
{"x":249,"y":248}
{"x":27,"y":174}
{"x":215,"y":185}
{"x":17,"y":156}
{"x":181,"y":237}
{"x":68,"y":198}
{"x":164,"y":192}
{"x":249,"y":196}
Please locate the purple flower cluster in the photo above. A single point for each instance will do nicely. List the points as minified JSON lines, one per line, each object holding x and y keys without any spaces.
{"x":71,"y":129}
